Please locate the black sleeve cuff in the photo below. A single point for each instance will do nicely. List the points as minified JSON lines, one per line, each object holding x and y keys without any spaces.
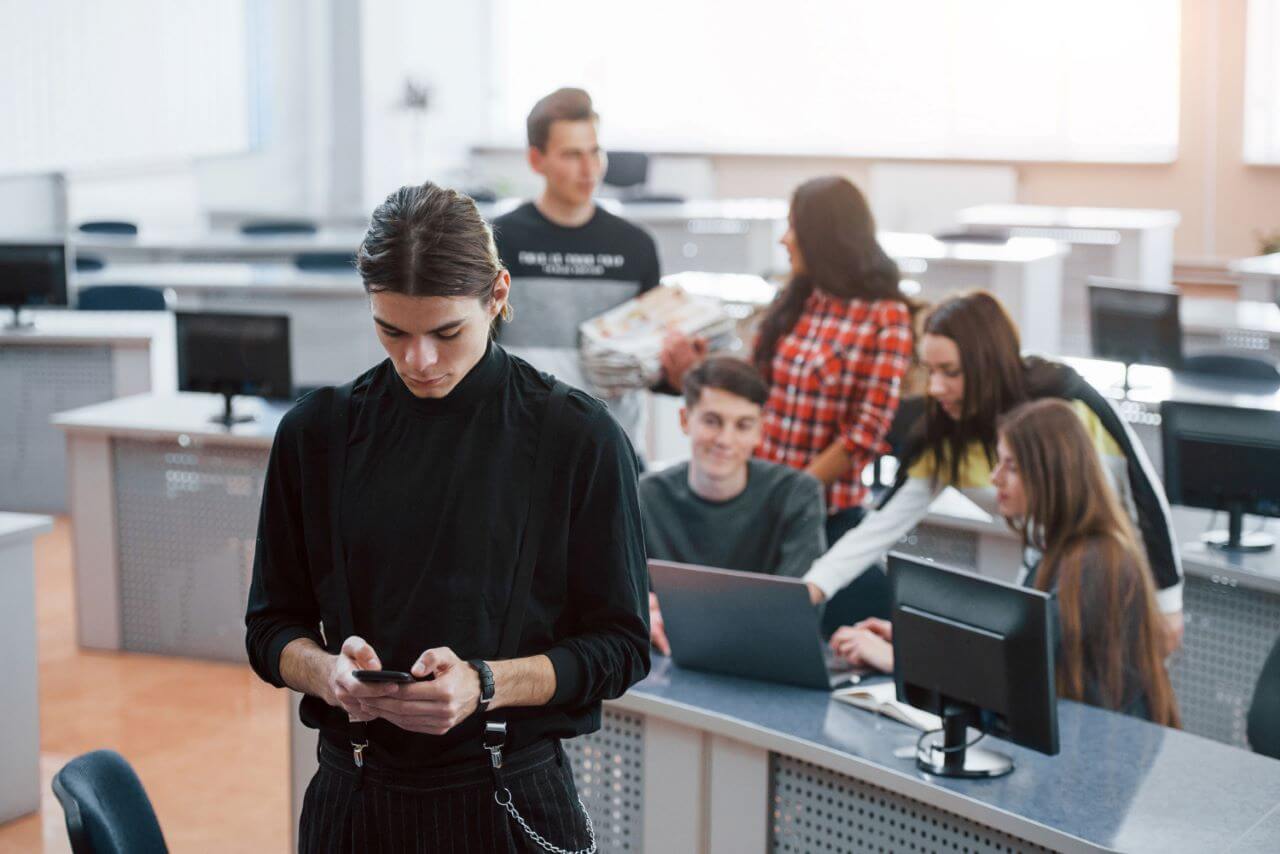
{"x":569,"y":676}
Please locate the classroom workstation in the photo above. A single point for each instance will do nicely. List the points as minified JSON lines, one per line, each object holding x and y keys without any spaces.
{"x":433,"y":427}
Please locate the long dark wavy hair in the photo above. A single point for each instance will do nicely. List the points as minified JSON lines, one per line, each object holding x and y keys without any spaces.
{"x":837,"y":238}
{"x":994,"y":379}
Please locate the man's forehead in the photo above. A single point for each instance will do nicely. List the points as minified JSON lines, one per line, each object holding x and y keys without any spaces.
{"x":572,"y":133}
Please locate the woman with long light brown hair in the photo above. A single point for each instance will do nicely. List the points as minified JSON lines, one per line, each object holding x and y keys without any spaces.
{"x":1051,"y":487}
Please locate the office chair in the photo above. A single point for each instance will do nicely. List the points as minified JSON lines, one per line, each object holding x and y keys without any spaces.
{"x":121,"y":298}
{"x":325,"y":262}
{"x":1231,"y":366}
{"x":1264,"y":712}
{"x":629,"y":171}
{"x":107,"y":809}
{"x":89,"y":263}
{"x":109,"y":226}
{"x":272,"y":227}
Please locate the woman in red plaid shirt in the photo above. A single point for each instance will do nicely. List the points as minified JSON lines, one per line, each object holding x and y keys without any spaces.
{"x":834,"y":347}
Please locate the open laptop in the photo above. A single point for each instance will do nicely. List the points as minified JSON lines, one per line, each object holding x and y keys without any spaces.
{"x":745,"y":624}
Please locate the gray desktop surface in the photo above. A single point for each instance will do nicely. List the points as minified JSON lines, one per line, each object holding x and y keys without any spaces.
{"x":1118,"y":783}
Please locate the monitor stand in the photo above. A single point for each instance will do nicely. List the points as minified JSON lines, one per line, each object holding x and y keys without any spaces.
{"x":227,"y":418}
{"x":17,"y":323}
{"x":1125,"y":386}
{"x":944,"y":752}
{"x":1234,"y":539}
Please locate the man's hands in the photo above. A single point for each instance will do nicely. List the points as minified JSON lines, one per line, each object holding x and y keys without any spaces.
{"x":679,"y":354}
{"x":1174,"y":629}
{"x":432,"y":707}
{"x":344,"y":690}
{"x":866,"y":644}
{"x":657,"y":630}
{"x":816,"y":596}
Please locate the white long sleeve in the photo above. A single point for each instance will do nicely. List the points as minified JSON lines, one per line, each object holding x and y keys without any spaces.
{"x":874,"y":537}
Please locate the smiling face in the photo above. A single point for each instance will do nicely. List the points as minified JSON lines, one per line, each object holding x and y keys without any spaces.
{"x":724,"y":430}
{"x":434,"y":342}
{"x":940,"y":357}
{"x":1011,"y":499}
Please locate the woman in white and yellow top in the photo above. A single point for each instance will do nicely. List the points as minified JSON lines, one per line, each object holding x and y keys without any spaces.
{"x":971,"y":352}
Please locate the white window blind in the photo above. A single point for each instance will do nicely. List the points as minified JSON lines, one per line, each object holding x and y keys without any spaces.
{"x":93,"y":84}
{"x":1090,"y":80}
{"x":1262,"y":83}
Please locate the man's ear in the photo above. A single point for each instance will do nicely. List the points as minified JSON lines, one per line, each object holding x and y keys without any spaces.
{"x":684,"y":420}
{"x":536,"y":156}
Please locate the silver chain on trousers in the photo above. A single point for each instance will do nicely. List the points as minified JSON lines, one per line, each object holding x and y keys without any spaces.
{"x":533,"y":834}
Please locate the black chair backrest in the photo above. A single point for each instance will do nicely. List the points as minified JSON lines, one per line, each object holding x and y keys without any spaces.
{"x":1231,"y":365}
{"x":120,"y":298}
{"x":266,"y":228}
{"x":109,"y":226}
{"x":627,"y":169}
{"x":1264,"y":712}
{"x":107,"y":810}
{"x":325,"y":262}
{"x":89,"y":263}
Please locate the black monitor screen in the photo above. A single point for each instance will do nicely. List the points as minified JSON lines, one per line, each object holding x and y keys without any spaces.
{"x":33,"y":274}
{"x":1137,"y":326}
{"x":234,"y":354}
{"x":959,"y":638}
{"x":1215,"y":456}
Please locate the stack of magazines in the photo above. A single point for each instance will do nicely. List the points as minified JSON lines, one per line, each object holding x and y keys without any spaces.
{"x":620,"y":349}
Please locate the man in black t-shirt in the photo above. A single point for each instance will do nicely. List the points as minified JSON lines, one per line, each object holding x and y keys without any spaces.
{"x":570,"y":259}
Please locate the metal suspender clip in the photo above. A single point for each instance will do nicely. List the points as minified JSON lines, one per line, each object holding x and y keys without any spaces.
{"x":495,"y":736}
{"x":357,"y":753}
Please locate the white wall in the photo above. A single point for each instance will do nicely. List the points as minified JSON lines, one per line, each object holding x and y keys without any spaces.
{"x":443,"y":47}
{"x":308,"y":157}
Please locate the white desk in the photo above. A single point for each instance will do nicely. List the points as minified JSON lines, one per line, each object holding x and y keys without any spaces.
{"x":158,"y":246}
{"x":20,"y":699}
{"x":165,"y":505}
{"x":1259,"y":277}
{"x":1239,"y":326}
{"x":332,"y":337}
{"x":1025,"y":273}
{"x":69,"y":359}
{"x":1121,"y":243}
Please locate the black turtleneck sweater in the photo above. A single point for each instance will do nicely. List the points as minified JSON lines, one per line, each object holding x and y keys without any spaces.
{"x":435,"y":498}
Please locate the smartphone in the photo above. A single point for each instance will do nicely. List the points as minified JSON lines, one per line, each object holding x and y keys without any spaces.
{"x":398,"y":676}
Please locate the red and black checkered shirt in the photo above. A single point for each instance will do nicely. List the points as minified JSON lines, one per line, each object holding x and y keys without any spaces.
{"x":836,"y":377}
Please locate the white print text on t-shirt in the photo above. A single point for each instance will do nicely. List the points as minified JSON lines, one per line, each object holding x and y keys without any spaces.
{"x":572,"y":263}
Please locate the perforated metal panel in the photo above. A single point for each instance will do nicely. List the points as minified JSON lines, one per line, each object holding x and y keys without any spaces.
{"x":608,"y":768}
{"x":37,"y":382}
{"x":1229,"y":632}
{"x":186,"y":524}
{"x":946,"y":545}
{"x":814,"y":809}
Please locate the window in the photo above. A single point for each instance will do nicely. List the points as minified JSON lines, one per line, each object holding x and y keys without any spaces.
{"x":1091,"y":80}
{"x":1262,"y":83}
{"x":86,"y":85}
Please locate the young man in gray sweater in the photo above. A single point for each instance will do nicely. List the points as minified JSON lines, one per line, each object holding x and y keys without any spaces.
{"x":723,"y":508}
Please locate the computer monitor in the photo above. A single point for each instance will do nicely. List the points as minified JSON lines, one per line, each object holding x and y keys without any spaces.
{"x":1134,"y":324}
{"x":230,"y":354}
{"x":1223,"y":458}
{"x":32,"y":274}
{"x":978,"y":653}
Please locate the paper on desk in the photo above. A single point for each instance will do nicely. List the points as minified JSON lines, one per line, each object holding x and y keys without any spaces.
{"x":881,"y":697}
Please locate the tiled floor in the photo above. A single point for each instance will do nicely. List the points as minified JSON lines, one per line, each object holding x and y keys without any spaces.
{"x":208,"y":740}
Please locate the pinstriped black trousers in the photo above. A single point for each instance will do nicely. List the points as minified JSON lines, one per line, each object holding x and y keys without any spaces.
{"x":452,"y":812}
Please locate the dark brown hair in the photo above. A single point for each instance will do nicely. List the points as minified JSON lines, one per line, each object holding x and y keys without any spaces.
{"x":563,"y":105}
{"x":727,"y":374}
{"x":837,"y":238}
{"x":1112,"y":636}
{"x":428,"y":241}
{"x":994,"y":378}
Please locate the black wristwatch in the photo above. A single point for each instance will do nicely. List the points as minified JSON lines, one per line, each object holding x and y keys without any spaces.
{"x":486,"y":684}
